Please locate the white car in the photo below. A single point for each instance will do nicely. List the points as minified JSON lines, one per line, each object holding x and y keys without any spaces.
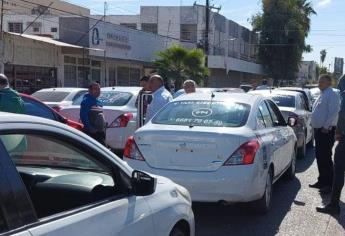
{"x":58,"y":98}
{"x":58,"y":181}
{"x":292,"y":104}
{"x":119,"y":111}
{"x":222,"y":147}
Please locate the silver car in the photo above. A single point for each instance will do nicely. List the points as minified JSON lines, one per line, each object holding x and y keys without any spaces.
{"x":292,"y":104}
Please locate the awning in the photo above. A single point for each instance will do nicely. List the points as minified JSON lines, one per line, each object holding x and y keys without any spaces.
{"x":66,"y":47}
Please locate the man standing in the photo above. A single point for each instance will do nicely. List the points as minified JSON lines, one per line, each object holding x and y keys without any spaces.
{"x":10,"y":101}
{"x":339,"y":158}
{"x":160,"y":96}
{"x":189,"y":86}
{"x":144,"y":83}
{"x":91,"y":114}
{"x":263,"y":86}
{"x":324,"y":121}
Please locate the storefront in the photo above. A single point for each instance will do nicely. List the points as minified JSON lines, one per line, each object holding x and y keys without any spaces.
{"x":35,"y":62}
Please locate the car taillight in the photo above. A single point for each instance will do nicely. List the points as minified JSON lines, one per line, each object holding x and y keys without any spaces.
{"x":244,"y":155}
{"x":121,"y":121}
{"x":131,"y":150}
{"x":75,"y":125}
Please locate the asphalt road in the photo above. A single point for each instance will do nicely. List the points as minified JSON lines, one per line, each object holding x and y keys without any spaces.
{"x":293,"y":211}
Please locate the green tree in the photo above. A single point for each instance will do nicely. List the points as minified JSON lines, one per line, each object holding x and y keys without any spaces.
{"x":284,"y":26}
{"x":323,"y":54}
{"x":179,"y":64}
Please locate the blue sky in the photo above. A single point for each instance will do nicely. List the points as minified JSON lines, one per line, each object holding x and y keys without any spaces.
{"x":327,"y":32}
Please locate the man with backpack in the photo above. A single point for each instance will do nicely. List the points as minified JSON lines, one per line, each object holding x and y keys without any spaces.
{"x":10,"y":101}
{"x":91,"y":114}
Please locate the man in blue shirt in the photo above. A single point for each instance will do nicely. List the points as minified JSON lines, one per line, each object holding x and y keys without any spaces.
{"x":324,"y":120}
{"x":160,"y":96}
{"x":339,"y":158}
{"x":91,"y":114}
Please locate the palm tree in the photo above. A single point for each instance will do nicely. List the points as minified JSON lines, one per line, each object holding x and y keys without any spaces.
{"x":306,"y":10}
{"x":179,"y":64}
{"x":323,"y":55}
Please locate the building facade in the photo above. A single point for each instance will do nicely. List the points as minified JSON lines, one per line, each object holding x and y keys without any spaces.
{"x":307,"y":73}
{"x":232,"y":48}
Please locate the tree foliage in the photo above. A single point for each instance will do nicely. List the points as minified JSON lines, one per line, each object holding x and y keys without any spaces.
{"x":323,"y":54}
{"x":284,"y":26}
{"x":179,"y":64}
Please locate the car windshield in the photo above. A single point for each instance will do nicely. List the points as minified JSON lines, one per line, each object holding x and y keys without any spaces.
{"x":204,"y":113}
{"x":110,"y":98}
{"x":51,"y":96}
{"x":284,"y":100}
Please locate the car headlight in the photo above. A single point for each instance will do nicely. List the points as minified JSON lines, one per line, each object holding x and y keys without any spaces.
{"x":184,"y":193}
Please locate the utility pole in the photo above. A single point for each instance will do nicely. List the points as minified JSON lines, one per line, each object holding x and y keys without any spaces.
{"x":105,"y":10}
{"x":2,"y":16}
{"x":207,"y":30}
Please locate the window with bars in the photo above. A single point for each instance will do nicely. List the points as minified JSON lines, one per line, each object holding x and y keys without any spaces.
{"x":189,"y":32}
{"x":15,"y":27}
{"x":153,"y":28}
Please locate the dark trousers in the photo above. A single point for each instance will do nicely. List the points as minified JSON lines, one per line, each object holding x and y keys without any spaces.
{"x":339,"y":168}
{"x":324,"y":143}
{"x":98,"y":136}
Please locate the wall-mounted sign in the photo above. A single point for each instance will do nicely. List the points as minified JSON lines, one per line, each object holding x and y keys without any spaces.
{"x":118,"y":41}
{"x":95,"y":36}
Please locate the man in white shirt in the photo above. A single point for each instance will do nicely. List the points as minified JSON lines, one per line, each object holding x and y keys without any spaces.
{"x":160,"y":96}
{"x":324,"y":121}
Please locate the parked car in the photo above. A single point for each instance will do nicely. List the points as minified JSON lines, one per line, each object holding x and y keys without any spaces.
{"x":307,"y":96}
{"x":292,"y":104}
{"x":246,"y":87}
{"x":57,"y":98}
{"x":59,"y":181}
{"x":34,"y":107}
{"x":119,"y":111}
{"x":221,"y":147}
{"x":210,"y":90}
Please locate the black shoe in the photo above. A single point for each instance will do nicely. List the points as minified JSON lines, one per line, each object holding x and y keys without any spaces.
{"x":316,"y":185}
{"x":325,"y":190}
{"x":331,"y":209}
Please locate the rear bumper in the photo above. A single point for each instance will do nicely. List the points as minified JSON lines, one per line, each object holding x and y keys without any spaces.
{"x":230,"y":184}
{"x":117,"y":137}
{"x":299,"y":132}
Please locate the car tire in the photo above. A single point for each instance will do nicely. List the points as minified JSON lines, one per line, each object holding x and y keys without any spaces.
{"x":290,"y":173}
{"x":177,"y":231}
{"x":263,"y":205}
{"x":302,"y":151}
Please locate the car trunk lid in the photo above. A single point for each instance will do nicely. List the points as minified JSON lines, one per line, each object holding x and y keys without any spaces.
{"x":184,"y":148}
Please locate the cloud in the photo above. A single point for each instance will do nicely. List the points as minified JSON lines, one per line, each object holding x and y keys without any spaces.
{"x":324,"y":3}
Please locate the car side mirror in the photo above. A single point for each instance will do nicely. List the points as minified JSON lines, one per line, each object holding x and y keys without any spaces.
{"x":142,"y":184}
{"x":292,"y":121}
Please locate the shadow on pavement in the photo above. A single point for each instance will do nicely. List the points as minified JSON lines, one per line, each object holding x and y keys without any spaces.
{"x":341,"y":217}
{"x":213,"y":219}
{"x":305,"y":163}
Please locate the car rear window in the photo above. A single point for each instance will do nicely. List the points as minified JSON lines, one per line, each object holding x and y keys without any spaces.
{"x":203,"y":113}
{"x":51,"y":96}
{"x":284,"y":100}
{"x":110,"y":98}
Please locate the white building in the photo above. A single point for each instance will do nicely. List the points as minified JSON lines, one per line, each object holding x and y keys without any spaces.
{"x":307,"y":72}
{"x":232,"y":51}
{"x":19,"y":16}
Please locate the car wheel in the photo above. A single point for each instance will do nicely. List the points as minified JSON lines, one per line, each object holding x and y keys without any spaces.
{"x":302,"y":151}
{"x":291,"y":172}
{"x":177,"y":232}
{"x":263,"y":205}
